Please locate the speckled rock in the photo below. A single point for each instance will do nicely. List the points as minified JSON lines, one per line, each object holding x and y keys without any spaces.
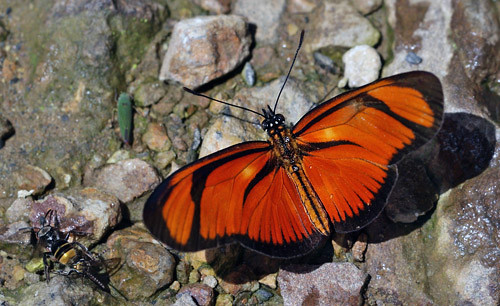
{"x":463,"y":55}
{"x":265,"y":14}
{"x":362,"y":65}
{"x":359,"y":248}
{"x":11,"y":272}
{"x":147,"y":265}
{"x":19,"y":210}
{"x":269,"y":280}
{"x":127,"y":179}
{"x":339,"y":24}
{"x":454,"y":257}
{"x":215,"y":6}
{"x":328,"y":284}
{"x":224,"y":300}
{"x":61,"y":291}
{"x":87,"y":211}
{"x":366,"y":6}
{"x":149,"y":92}
{"x":204,"y":48}
{"x":32,"y":179}
{"x":201,"y":293}
{"x":156,"y":138}
{"x":301,"y":6}
{"x":185,"y":300}
{"x":118,"y":156}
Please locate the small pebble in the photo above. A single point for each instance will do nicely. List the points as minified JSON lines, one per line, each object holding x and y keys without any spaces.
{"x":362,"y":65}
{"x":413,"y":58}
{"x":249,"y":74}
{"x":324,"y":62}
{"x":210,"y":281}
{"x":359,"y":248}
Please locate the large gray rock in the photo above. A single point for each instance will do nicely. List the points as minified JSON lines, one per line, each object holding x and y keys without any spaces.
{"x":204,"y":48}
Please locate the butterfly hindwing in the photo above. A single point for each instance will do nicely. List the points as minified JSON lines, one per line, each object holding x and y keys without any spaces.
{"x":351,"y":141}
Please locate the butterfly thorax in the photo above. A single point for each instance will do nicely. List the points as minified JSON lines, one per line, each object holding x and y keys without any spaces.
{"x":285,"y":147}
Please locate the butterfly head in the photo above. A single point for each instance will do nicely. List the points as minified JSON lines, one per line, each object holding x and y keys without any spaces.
{"x":272,"y":120}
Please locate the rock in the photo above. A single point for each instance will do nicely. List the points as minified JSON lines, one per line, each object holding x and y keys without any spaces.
{"x":127,"y":179}
{"x":263,"y":56}
{"x":248,"y":74}
{"x":224,"y":132}
{"x":118,"y":156}
{"x":265,"y":14}
{"x":163,"y":159}
{"x":362,"y":65}
{"x":338,"y":24}
{"x":215,"y":6}
{"x":424,"y":30}
{"x":263,"y":295}
{"x":204,"y":48}
{"x":413,"y":58}
{"x":325,"y":62}
{"x":366,"y":7}
{"x":156,"y":138}
{"x":87,"y":211}
{"x":359,"y":248}
{"x":147,"y":267}
{"x":194,"y":276}
{"x":224,"y":300}
{"x":301,"y":6}
{"x":149,"y":92}
{"x":60,"y":291}
{"x":185,"y":300}
{"x":182,"y":271}
{"x":454,"y":257}
{"x":328,"y":284}
{"x":210,"y":281}
{"x":19,"y":210}
{"x":202,"y":294}
{"x":15,"y":237}
{"x":269,"y":280}
{"x":32,"y":179}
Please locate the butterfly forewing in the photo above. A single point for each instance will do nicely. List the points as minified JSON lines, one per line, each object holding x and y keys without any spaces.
{"x":351,"y":140}
{"x":237,"y":194}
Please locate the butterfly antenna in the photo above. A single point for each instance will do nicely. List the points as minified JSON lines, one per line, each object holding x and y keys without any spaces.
{"x":216,"y":100}
{"x":290,"y":70}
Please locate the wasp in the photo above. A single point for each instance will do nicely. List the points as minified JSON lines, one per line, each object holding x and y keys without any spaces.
{"x":73,"y":256}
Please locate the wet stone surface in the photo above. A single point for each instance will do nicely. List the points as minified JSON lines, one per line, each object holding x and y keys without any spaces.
{"x":332,"y":283}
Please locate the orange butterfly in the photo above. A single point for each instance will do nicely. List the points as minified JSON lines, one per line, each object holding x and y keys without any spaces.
{"x":334,"y":169}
